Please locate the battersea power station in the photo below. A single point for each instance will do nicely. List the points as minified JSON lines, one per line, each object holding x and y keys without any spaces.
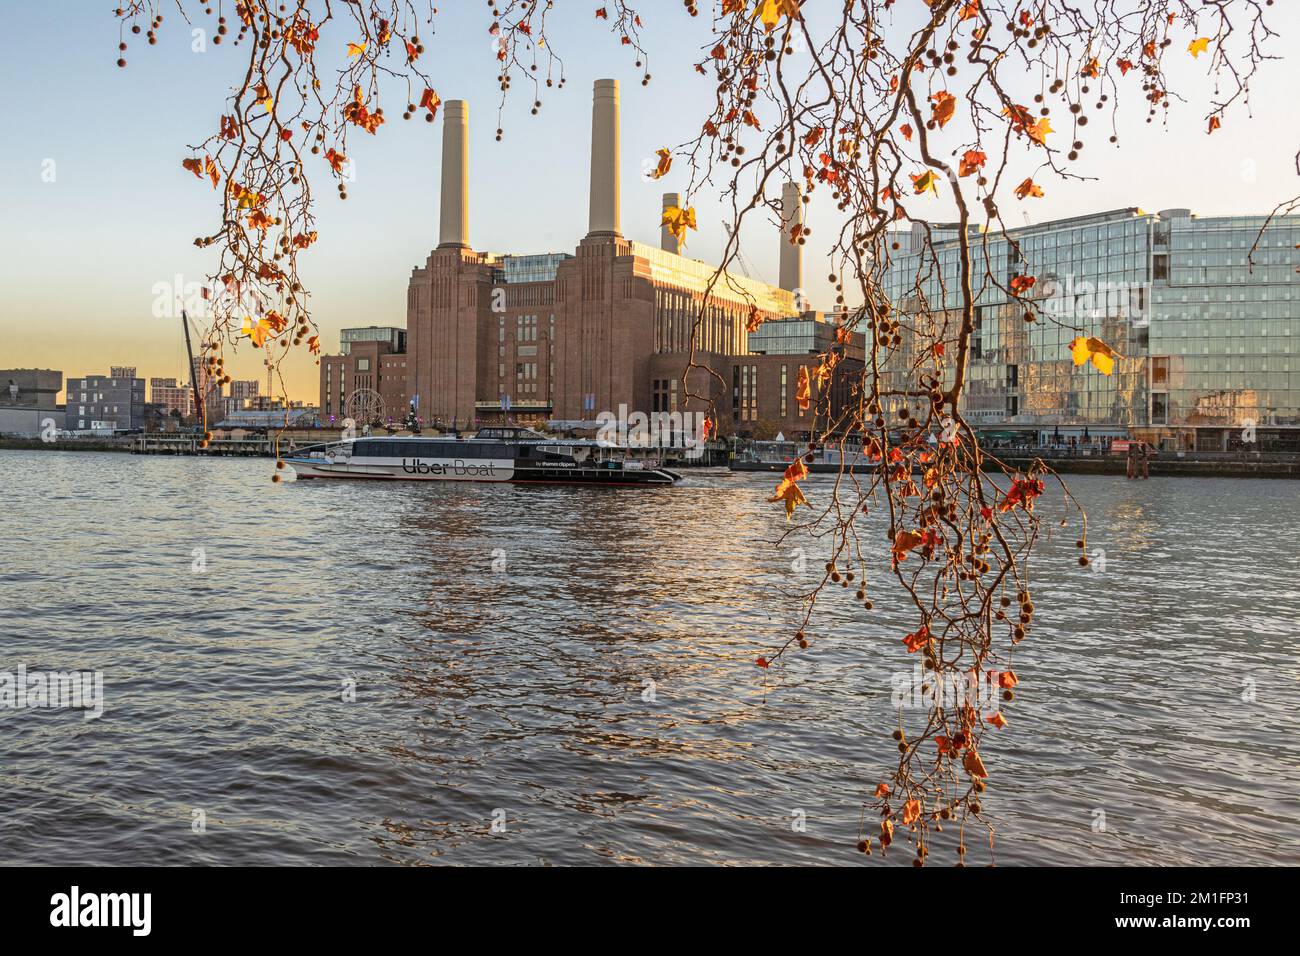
{"x":561,"y":337}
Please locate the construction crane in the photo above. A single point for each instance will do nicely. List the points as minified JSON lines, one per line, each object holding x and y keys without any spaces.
{"x":742,"y":260}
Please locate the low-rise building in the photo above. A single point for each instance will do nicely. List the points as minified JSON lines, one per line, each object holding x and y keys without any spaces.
{"x":29,"y":401}
{"x":106,"y":403}
{"x":367,"y":380}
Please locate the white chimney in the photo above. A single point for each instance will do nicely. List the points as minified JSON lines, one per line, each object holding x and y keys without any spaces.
{"x":791,"y":252}
{"x":667,"y":241}
{"x":453,"y":226}
{"x":604,"y":160}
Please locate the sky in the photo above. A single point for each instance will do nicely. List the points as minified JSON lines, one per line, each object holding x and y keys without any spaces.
{"x":98,"y":210}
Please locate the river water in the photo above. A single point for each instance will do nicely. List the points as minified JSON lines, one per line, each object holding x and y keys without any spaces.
{"x":416,"y":673}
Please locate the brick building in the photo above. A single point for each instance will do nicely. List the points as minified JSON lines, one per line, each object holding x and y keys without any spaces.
{"x":370,"y":370}
{"x":171,"y":397}
{"x":565,"y":336}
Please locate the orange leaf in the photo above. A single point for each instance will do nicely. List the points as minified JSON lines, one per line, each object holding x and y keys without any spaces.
{"x":945,"y":105}
{"x":1021,"y":284}
{"x":1029,"y":188}
{"x":906,"y":130}
{"x":911,"y":812}
{"x":974,"y":766}
{"x":971,"y":161}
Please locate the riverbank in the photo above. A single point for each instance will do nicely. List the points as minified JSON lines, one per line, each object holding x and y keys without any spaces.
{"x":1167,"y":466}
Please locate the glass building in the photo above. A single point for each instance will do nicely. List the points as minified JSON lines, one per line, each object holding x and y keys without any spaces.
{"x":1205,"y":329}
{"x":394,"y":337}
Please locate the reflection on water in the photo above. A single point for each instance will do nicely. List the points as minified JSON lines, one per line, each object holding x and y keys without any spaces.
{"x":576,"y":665}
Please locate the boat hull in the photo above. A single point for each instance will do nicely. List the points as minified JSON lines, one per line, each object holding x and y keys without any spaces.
{"x":496,"y":471}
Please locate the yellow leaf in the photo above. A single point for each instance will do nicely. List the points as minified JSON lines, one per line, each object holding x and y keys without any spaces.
{"x":1038,"y":132}
{"x":665,"y":163}
{"x":771,"y":12}
{"x":1198,"y":46}
{"x":925,"y":181}
{"x":678,"y":221}
{"x":256,"y":332}
{"x":356,"y":49}
{"x":1102,"y":355}
{"x":789,"y":492}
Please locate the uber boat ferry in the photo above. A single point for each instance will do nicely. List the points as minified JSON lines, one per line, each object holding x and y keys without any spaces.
{"x":506,"y":454}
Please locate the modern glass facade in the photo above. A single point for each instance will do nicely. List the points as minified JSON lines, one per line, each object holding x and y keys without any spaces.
{"x":802,"y":336}
{"x":394,"y":337}
{"x":538,"y":268}
{"x":1206,"y":341}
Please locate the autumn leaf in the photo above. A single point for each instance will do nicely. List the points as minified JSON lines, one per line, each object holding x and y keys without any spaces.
{"x":1008,"y":680}
{"x":678,"y":221}
{"x":1101,"y":354}
{"x":969,"y":9}
{"x":313,"y":345}
{"x":1124,"y":66}
{"x":1020,"y":284}
{"x":303,"y":240}
{"x":762,"y":662}
{"x":255,"y":331}
{"x":945,"y":105}
{"x":1214,"y":124}
{"x":429,"y":100}
{"x":603,"y":14}
{"x":1198,"y":46}
{"x":918,"y":639}
{"x":906,"y":130}
{"x":972,"y":160}
{"x":1038,"y":132}
{"x":911,"y":812}
{"x":905,"y":541}
{"x":997,"y":720}
{"x":356,"y":49}
{"x":1091,"y":68}
{"x":974,"y":766}
{"x":754,"y":320}
{"x":789,"y":492}
{"x":797,"y":470}
{"x":925,"y":181}
{"x":335,"y":158}
{"x":886,"y":832}
{"x":1029,"y":188}
{"x":771,"y":12}
{"x":802,"y":392}
{"x":262,"y":96}
{"x":882,"y":790}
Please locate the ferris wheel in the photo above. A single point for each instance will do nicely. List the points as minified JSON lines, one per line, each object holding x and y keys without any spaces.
{"x":365,"y":406}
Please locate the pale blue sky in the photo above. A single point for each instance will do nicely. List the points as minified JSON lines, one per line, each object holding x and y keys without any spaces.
{"x":80,"y":255}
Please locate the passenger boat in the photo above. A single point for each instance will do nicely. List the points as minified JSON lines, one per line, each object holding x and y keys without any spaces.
{"x":500,"y":454}
{"x":777,"y":455}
